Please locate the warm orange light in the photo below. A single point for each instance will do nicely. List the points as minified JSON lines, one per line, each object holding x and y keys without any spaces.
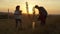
{"x":30,"y":9}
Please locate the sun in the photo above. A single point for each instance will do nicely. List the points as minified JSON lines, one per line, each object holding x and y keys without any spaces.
{"x":30,"y":10}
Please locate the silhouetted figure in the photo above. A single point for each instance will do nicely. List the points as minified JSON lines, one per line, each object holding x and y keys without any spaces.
{"x":18,"y":15}
{"x":42,"y":14}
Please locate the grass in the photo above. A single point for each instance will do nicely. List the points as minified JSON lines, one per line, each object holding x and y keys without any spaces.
{"x":52,"y":26}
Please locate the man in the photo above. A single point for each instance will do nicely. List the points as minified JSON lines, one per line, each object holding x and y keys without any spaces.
{"x":42,"y":14}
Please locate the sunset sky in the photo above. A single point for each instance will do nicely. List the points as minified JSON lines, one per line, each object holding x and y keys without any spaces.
{"x":52,"y":6}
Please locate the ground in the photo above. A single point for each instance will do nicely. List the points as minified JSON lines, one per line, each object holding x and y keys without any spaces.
{"x":52,"y":26}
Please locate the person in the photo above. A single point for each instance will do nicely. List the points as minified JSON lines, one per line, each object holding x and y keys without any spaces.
{"x":18,"y":16}
{"x":42,"y":14}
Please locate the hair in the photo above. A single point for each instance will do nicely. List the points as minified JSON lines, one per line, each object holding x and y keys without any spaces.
{"x":17,"y":7}
{"x":36,"y":6}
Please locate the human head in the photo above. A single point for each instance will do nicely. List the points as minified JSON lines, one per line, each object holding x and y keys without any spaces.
{"x":17,"y":7}
{"x":36,"y":6}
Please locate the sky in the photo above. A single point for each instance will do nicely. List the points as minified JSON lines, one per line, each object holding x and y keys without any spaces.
{"x":52,"y":6}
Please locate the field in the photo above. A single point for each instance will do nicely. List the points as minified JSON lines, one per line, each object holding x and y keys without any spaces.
{"x":52,"y":26}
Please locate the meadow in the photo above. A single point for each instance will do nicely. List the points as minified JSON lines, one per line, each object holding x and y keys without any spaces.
{"x":52,"y":25}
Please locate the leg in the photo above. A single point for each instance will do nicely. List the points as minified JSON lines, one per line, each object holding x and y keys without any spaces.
{"x":20,"y":24}
{"x":43,"y":21}
{"x":16,"y":23}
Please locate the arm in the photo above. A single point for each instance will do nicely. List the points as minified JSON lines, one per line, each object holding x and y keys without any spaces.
{"x":20,"y":12}
{"x":33,"y":10}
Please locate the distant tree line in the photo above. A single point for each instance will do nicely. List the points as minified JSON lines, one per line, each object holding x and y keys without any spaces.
{"x":5,"y":15}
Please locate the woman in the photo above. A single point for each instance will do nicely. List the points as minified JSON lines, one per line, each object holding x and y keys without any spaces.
{"x":17,"y":15}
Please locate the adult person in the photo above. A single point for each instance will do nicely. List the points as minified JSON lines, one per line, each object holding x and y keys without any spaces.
{"x":18,"y":16}
{"x":42,"y":14}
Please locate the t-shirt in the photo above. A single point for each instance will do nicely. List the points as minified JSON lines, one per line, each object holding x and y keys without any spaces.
{"x":17,"y":15}
{"x":43,"y":11}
